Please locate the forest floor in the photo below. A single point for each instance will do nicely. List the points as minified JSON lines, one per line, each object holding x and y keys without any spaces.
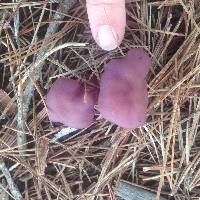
{"x":43,"y":40}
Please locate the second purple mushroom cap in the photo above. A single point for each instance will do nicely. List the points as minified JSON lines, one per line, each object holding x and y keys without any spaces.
{"x":123,"y":96}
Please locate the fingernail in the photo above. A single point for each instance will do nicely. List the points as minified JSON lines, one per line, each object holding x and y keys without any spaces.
{"x":107,"y":38}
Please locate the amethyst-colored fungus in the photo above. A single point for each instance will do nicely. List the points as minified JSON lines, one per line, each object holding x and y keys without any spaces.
{"x":71,"y":104}
{"x":123,"y":96}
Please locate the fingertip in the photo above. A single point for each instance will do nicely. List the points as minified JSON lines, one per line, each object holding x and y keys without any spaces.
{"x":107,"y":38}
{"x":107,"y":22}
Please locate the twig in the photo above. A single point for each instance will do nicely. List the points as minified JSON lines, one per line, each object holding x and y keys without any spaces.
{"x":13,"y":188}
{"x":63,"y":132}
{"x":29,"y":89}
{"x":16,"y":24}
{"x":3,"y":191}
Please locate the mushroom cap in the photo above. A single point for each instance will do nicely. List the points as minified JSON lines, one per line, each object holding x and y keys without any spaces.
{"x":139,"y":61}
{"x":123,"y":96}
{"x":69,"y":103}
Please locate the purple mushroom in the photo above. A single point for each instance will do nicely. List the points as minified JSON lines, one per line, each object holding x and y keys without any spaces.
{"x":71,"y":104}
{"x":123,"y":96}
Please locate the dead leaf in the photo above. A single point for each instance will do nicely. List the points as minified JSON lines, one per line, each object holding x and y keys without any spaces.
{"x":6,"y":103}
{"x":42,"y":149}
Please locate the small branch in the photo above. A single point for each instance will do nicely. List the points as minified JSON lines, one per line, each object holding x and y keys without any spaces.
{"x":3,"y":191}
{"x":128,"y":191}
{"x":16,"y":24}
{"x":29,"y":89}
{"x":13,"y":188}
